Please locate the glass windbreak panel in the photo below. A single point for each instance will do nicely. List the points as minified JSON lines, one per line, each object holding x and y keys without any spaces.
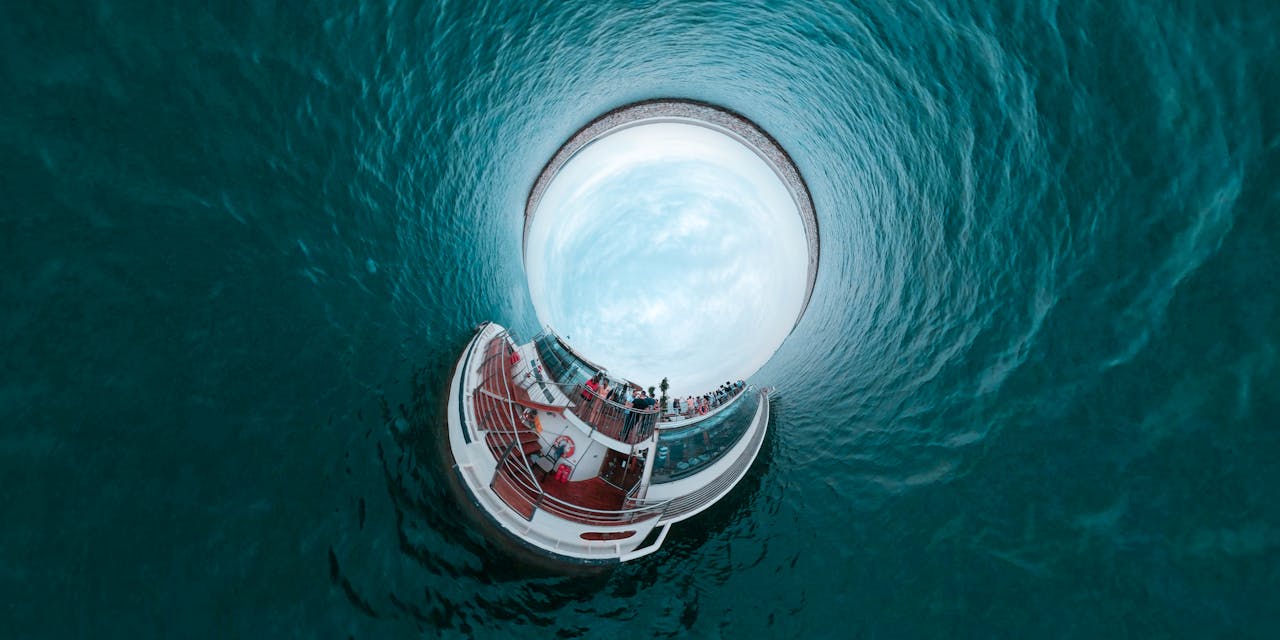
{"x":561,"y":365}
{"x":683,"y":452}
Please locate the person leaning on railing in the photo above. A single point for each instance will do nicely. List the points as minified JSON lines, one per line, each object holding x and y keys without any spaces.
{"x":642,"y":405}
{"x":589,"y":392}
{"x":601,"y":403}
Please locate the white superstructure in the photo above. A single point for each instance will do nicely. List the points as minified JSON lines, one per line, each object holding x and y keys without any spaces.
{"x":574,"y":474}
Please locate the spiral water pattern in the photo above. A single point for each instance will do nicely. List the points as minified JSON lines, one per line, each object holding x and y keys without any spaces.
{"x":243,"y":248}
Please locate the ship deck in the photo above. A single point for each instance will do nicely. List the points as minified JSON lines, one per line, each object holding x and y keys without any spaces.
{"x":519,"y":481}
{"x":591,"y":500}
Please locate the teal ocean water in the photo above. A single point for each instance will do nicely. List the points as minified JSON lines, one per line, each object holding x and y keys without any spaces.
{"x":1035,"y":393}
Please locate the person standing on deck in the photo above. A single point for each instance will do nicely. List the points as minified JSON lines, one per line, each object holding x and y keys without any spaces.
{"x":650,"y":417}
{"x":602,"y":403}
{"x":590,"y":389}
{"x":630,"y":419}
{"x":623,"y":414}
{"x":590,"y":396}
{"x":642,"y":405}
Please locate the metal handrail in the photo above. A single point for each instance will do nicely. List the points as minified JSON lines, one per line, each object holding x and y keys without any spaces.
{"x":714,"y":406}
{"x":514,"y":432}
{"x":620,"y":406}
{"x":544,"y":498}
{"x":541,"y":499}
{"x":580,"y":387}
{"x":521,"y":476}
{"x":683,"y":504}
{"x":613,"y":419}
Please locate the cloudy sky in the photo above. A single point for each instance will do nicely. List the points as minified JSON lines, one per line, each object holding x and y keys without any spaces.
{"x":669,"y":250}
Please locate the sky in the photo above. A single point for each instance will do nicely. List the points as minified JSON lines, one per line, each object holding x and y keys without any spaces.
{"x":669,"y":250}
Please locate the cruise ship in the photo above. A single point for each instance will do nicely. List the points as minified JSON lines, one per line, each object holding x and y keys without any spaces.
{"x":574,"y":475}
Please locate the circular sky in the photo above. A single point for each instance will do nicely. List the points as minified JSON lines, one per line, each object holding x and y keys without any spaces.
{"x":669,"y":250}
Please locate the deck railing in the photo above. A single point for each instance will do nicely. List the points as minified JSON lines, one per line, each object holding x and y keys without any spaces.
{"x":684,"y":504}
{"x":514,"y":479}
{"x":568,"y":370}
{"x":498,"y":418}
{"x":613,"y":419}
{"x":700,"y":409}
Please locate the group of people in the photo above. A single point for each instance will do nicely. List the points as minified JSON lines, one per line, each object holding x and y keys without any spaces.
{"x":599,"y":386}
{"x":633,"y":404}
{"x":700,"y":405}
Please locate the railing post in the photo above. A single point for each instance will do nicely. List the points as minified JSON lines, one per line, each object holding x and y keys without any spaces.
{"x":507,"y":452}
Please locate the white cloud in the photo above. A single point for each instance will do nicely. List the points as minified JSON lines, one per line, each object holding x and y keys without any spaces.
{"x":669,"y":250}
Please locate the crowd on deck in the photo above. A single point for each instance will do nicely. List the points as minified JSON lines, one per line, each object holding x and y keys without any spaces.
{"x":599,"y":386}
{"x":633,"y":406}
{"x":700,"y":405}
{"x":627,"y":406}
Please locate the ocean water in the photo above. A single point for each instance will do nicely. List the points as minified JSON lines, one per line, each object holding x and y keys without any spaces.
{"x":1035,"y":393}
